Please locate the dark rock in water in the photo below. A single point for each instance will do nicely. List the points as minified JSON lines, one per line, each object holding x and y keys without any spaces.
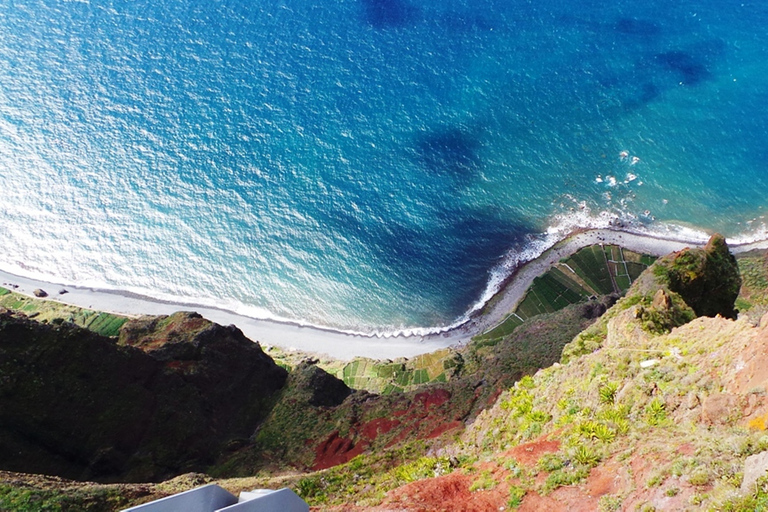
{"x":40,"y":293}
{"x":635,"y":27}
{"x":63,"y":291}
{"x":691,"y":70}
{"x":388,"y":13}
{"x":451,"y":151}
{"x":166,"y":399}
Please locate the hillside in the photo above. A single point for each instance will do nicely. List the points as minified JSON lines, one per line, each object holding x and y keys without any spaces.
{"x":167,"y":397}
{"x":653,"y":406}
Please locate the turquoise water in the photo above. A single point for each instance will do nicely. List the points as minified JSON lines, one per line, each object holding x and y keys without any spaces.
{"x":369,"y":165}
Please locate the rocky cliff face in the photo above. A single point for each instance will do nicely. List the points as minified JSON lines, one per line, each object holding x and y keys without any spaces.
{"x":163,"y":401}
{"x":650,"y":406}
{"x":652,"y":409}
{"x":707,"y":279}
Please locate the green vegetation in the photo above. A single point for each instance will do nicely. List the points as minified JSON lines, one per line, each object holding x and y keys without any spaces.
{"x":593,"y":271}
{"x":708,"y":280}
{"x":516,"y":495}
{"x":484,"y":482}
{"x":603,"y":404}
{"x":29,"y":499}
{"x":425,"y":467}
{"x":756,"y":501}
{"x":655,"y":412}
{"x":369,"y":476}
{"x":566,"y":476}
{"x":383,"y":376}
{"x":388,"y":377}
{"x":50,"y":311}
{"x":391,"y":377}
{"x":753,"y":296}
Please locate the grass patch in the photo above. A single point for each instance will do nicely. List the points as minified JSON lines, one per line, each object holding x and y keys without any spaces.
{"x":26,"y":499}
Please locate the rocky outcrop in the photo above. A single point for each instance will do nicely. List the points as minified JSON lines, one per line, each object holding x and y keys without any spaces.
{"x":162,"y":402}
{"x":673,"y":291}
{"x":707,"y":279}
{"x":755,"y":467}
{"x":322,"y":389}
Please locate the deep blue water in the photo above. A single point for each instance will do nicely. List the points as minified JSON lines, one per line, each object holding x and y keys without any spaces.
{"x":366,"y":164}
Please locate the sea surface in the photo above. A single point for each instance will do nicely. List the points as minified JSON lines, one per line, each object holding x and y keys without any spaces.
{"x":367,"y":165}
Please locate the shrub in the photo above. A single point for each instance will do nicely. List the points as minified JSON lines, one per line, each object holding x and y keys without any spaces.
{"x":608,"y":393}
{"x":566,"y":476}
{"x":655,"y":412}
{"x":604,"y":433}
{"x":484,"y":482}
{"x":587,"y":456}
{"x":699,"y":476}
{"x":425,"y":467}
{"x":609,"y":503}
{"x":527,"y":382}
{"x":309,"y":487}
{"x":757,"y":500}
{"x":550,"y":462}
{"x":516,"y":495}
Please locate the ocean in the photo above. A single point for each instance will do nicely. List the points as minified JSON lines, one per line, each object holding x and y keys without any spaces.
{"x":367,"y":165}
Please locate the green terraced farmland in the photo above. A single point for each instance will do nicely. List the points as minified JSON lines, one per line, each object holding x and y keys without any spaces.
{"x":591,"y":264}
{"x":592,"y":271}
{"x":45,"y":311}
{"x":389,"y":377}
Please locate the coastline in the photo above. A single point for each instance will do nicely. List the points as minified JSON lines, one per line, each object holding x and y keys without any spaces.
{"x":345,"y":346}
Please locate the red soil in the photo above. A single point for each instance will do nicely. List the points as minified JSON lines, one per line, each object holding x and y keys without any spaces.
{"x":420,"y":419}
{"x":337,"y":450}
{"x":449,"y":493}
{"x":529,"y":454}
{"x":378,"y":426}
{"x":436,"y":397}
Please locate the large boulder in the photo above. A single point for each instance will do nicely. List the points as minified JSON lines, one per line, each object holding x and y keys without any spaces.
{"x":755,"y":467}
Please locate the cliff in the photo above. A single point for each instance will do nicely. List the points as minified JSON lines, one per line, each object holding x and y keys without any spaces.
{"x":80,"y":405}
{"x":651,"y":408}
{"x":656,"y":404}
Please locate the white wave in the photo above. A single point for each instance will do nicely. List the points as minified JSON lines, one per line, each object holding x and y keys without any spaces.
{"x":533,"y":246}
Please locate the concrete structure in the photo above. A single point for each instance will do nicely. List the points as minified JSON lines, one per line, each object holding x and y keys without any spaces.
{"x":212,"y":498}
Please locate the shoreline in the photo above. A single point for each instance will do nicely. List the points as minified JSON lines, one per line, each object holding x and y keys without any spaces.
{"x":341,"y":345}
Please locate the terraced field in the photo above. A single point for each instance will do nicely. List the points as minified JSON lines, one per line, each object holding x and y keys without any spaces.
{"x":50,"y":311}
{"x":396,"y":376}
{"x":591,"y":272}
